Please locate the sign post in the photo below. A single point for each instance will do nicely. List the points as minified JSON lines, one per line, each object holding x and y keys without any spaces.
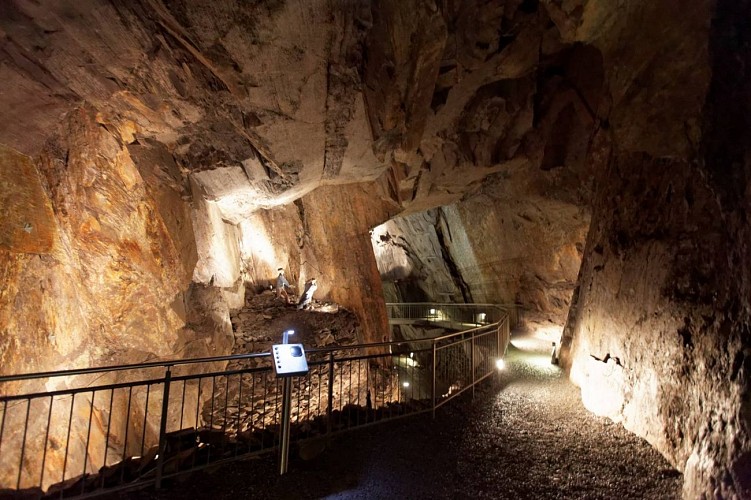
{"x":289,"y":361}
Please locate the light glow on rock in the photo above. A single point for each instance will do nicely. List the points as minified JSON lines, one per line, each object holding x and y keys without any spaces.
{"x":549,"y":333}
{"x":255,"y":244}
{"x":392,"y":260}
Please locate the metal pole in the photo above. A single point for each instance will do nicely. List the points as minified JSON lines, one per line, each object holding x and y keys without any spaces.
{"x":499,"y":353}
{"x":434,"y":375}
{"x":472,"y":363}
{"x":163,"y":429}
{"x":506,"y":335}
{"x":329,"y":406}
{"x":286,"y":418}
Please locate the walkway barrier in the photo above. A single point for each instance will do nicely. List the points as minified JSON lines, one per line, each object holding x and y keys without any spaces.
{"x":459,"y":316}
{"x":79,"y":433}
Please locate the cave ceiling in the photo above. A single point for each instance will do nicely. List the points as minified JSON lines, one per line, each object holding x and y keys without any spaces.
{"x":261,"y":102}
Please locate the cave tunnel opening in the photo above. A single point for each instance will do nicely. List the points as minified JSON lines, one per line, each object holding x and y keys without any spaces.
{"x":524,"y":255}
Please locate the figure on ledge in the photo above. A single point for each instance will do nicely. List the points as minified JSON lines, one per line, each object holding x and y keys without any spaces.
{"x":307,"y":296}
{"x":281,"y":286}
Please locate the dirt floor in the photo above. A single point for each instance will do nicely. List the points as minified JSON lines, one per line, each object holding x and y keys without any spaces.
{"x":525,"y":435}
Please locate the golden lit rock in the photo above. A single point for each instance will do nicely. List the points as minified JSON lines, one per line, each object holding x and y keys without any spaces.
{"x":27,"y":223}
{"x":585,"y":161}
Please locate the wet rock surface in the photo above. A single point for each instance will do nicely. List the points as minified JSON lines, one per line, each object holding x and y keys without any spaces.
{"x":526,"y":435}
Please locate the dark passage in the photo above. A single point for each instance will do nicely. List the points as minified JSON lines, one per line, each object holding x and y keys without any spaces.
{"x":526,"y":435}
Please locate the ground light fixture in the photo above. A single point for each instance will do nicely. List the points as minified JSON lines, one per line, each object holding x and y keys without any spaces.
{"x":405,"y":384}
{"x":500,"y":364}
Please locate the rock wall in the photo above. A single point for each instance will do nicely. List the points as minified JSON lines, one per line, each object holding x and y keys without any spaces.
{"x":242,"y":106}
{"x":325,"y":235}
{"x":101,"y":235}
{"x":180,"y":150}
{"x":532,"y":261}
{"x":258,"y":105}
{"x":103,"y":247}
{"x":658,"y":337}
{"x":102,"y":282}
{"x":503,"y":147}
{"x":409,"y":258}
{"x":337,"y":220}
{"x":487,"y":250}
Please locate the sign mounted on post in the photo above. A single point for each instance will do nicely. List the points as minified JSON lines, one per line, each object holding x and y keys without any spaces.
{"x":289,"y":360}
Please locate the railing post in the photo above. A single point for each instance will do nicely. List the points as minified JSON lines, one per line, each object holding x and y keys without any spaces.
{"x":472,"y":364}
{"x":499,"y":353}
{"x":286,"y":417}
{"x":163,"y":429}
{"x":506,"y":334}
{"x":433,"y":395}
{"x":330,"y":405}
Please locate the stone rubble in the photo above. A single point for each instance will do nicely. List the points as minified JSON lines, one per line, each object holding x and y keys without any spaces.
{"x":242,"y":405}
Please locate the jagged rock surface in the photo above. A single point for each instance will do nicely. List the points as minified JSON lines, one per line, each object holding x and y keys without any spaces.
{"x":104,"y":283}
{"x":159,"y":129}
{"x":447,"y":254}
{"x":658,"y":335}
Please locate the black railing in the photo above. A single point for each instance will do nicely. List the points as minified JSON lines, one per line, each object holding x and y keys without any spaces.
{"x":101,"y":429}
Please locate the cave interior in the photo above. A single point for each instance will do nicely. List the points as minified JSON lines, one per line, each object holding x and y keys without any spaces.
{"x":585,"y":162}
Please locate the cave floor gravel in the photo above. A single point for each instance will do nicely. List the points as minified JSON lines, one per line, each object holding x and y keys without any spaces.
{"x":525,"y":435}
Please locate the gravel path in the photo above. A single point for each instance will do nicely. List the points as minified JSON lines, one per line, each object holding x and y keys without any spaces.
{"x":525,"y":435}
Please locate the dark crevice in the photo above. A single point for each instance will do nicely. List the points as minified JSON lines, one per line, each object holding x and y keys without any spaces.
{"x":452,"y":267}
{"x":727,"y":127}
{"x":439,"y":98}
{"x":416,"y":184}
{"x":301,"y":213}
{"x":529,"y":6}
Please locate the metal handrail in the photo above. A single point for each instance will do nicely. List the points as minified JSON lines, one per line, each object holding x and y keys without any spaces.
{"x":515,"y":312}
{"x":178,"y":362}
{"x":157,"y":420}
{"x":134,"y":366}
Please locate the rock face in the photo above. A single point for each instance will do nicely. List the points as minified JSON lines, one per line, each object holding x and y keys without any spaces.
{"x":266,"y":91}
{"x":105,"y":242}
{"x":503,"y":147}
{"x":658,"y":337}
{"x":324,"y":236}
{"x":102,"y":283}
{"x":492,"y":248}
{"x":159,"y":156}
